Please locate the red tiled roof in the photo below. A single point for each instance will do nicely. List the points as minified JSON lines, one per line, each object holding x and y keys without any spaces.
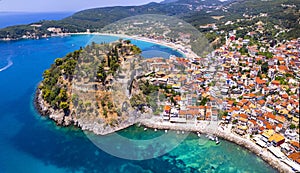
{"x":253,"y":122}
{"x":275,"y":82}
{"x":295,"y":144}
{"x":282,"y":68}
{"x":251,"y":95}
{"x":261,"y":128}
{"x":285,"y":96}
{"x":167,"y":108}
{"x":261,"y":102}
{"x":269,"y":115}
{"x":268,"y":126}
{"x":260,"y":81}
{"x":244,"y":116}
{"x":261,"y":118}
{"x":295,"y":157}
{"x":245,"y":107}
{"x":279,"y":58}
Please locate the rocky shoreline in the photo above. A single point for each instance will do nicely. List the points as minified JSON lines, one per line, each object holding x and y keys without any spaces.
{"x":45,"y":110}
{"x":59,"y":118}
{"x":99,"y":129}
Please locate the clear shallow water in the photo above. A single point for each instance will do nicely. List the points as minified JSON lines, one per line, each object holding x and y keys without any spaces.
{"x":30,"y":143}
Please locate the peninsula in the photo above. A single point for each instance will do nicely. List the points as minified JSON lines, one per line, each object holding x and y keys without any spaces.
{"x":108,"y":87}
{"x":246,"y":90}
{"x":77,"y":89}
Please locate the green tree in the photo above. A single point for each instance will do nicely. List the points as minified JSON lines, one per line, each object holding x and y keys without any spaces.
{"x":292,"y":126}
{"x":265,"y":67}
{"x":127,"y":41}
{"x":101,"y":75}
{"x":136,"y":50}
{"x":46,"y":74}
{"x":58,"y":61}
{"x":64,"y":105}
{"x":204,"y":101}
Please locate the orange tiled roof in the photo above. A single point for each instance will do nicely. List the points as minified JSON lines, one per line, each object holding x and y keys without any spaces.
{"x":269,"y":115}
{"x":245,"y":107}
{"x":261,"y":128}
{"x":279,"y":58}
{"x":279,"y":125}
{"x":253,"y":122}
{"x":295,"y":144}
{"x":261,"y":118}
{"x":230,"y":102}
{"x":284,"y":104}
{"x":275,"y":82}
{"x":208,"y":114}
{"x":259,"y":81}
{"x":235,"y":108}
{"x":261,"y":102}
{"x":282,"y":68}
{"x":285,"y":96}
{"x":251,"y":95}
{"x":295,"y":157}
{"x":167,"y":108}
{"x":244,"y":116}
{"x":268,"y":125}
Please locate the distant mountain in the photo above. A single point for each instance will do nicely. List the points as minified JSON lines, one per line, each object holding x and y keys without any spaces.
{"x":168,"y":1}
{"x":196,"y":12}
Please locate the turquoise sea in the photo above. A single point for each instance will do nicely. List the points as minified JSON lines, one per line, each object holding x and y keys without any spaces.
{"x":33,"y":144}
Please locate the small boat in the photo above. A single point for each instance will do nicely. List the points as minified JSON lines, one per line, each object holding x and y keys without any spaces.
{"x":145,"y":129}
{"x":155,"y":130}
{"x":217,"y":141}
{"x":182,"y":132}
{"x":166,"y":131}
{"x":211,"y":138}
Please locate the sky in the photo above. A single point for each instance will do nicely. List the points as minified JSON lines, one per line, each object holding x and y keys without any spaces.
{"x":63,"y":5}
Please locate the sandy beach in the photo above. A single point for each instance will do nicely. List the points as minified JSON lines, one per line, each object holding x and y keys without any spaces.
{"x":179,"y":48}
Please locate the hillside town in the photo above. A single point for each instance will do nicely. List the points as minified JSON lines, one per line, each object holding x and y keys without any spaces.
{"x":251,"y":90}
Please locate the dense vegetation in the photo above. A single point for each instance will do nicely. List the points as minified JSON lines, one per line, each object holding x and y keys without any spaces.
{"x":284,"y":13}
{"x":91,"y":69}
{"x":54,"y":90}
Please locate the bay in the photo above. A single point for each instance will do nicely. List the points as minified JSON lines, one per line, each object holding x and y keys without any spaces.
{"x":31,"y":143}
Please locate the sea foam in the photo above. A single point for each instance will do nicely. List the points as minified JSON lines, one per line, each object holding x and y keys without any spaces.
{"x":9,"y":64}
